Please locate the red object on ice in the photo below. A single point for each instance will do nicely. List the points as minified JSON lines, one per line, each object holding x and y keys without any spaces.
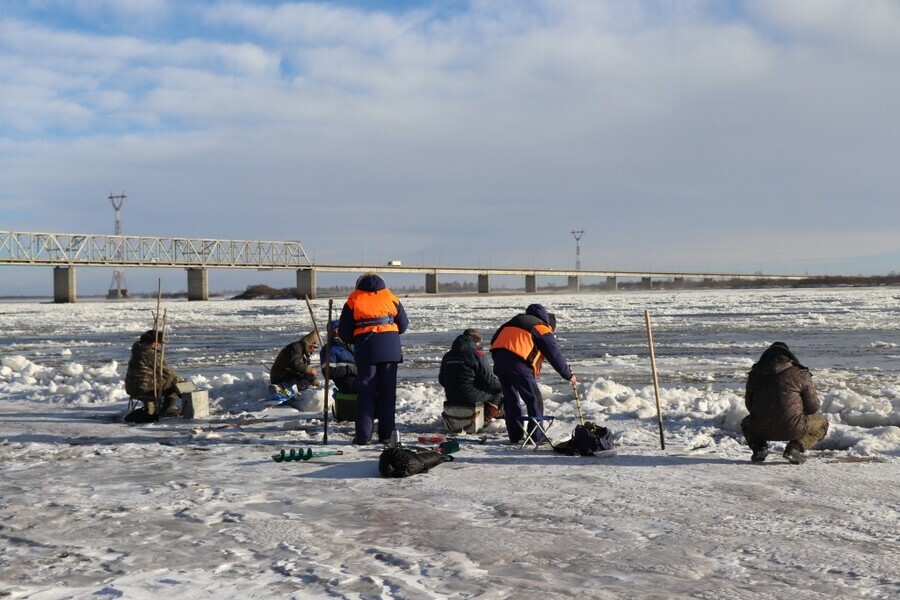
{"x":434,"y":439}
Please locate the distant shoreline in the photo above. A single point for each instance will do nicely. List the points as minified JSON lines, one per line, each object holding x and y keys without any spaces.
{"x":256,"y":292}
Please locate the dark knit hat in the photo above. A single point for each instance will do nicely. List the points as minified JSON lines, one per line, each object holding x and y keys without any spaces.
{"x":152,"y":335}
{"x":370,"y":282}
{"x":780,"y":351}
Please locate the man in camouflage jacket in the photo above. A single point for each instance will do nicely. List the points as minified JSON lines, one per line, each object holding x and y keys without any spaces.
{"x":148,"y":364}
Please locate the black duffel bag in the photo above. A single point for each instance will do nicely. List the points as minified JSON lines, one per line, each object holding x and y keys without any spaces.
{"x":403,"y":462}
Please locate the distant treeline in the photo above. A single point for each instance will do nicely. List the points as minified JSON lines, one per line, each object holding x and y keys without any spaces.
{"x":738,"y":283}
{"x":455,"y":287}
{"x":170,"y":295}
{"x":264,"y":291}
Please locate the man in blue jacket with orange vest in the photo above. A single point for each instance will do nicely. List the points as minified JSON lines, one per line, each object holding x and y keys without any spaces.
{"x":374,"y":319}
{"x":518,"y":349}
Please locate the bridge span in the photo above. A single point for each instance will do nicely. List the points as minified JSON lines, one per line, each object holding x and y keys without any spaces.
{"x":67,"y":251}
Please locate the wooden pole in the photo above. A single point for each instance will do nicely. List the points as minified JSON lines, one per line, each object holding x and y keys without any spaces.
{"x":327,"y":369}
{"x":318,"y":335}
{"x":155,"y":325}
{"x":162,"y":352}
{"x":662,"y":439}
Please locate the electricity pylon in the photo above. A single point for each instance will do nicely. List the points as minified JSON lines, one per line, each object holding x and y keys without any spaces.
{"x":118,"y":288}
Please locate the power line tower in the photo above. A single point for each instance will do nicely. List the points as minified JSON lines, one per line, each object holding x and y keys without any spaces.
{"x":118,"y":288}
{"x":575,"y":280}
{"x":577,"y":235}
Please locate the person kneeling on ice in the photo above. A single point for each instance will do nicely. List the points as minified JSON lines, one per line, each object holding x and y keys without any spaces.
{"x":467,"y":377}
{"x":148,"y":378}
{"x":341,"y":362}
{"x":292,"y":366}
{"x":519,"y":348}
{"x":783,"y":406}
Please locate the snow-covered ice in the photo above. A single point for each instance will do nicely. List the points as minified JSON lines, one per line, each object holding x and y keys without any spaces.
{"x":95,"y":508}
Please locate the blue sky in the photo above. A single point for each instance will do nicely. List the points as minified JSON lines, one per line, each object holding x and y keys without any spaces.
{"x":682,"y":136}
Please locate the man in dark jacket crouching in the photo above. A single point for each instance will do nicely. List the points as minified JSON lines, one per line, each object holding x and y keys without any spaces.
{"x":783,"y":406}
{"x":293,"y":367}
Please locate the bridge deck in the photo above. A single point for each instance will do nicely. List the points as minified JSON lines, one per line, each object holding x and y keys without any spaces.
{"x":72,"y":250}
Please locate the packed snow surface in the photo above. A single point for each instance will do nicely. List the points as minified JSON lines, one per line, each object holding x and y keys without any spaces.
{"x":92,"y":507}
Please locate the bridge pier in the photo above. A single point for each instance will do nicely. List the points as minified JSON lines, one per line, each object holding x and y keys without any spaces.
{"x":678,"y":283}
{"x":646,"y":283}
{"x":612,"y":283}
{"x":306,"y":283}
{"x":198,"y":284}
{"x":574,"y":283}
{"x":530,"y":284}
{"x":484,"y":283}
{"x":63,"y":284}
{"x":431,"y":283}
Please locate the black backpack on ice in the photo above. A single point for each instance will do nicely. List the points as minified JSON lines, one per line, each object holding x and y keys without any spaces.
{"x":587,"y":440}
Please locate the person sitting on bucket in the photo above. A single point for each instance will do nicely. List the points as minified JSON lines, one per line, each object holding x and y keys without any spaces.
{"x":783,"y":406}
{"x":467,"y":377}
{"x":519,"y":348}
{"x":292,"y":366}
{"x":341,"y":363}
{"x":147,"y":369}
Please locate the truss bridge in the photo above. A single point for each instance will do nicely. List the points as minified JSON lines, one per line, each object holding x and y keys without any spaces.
{"x":67,"y":251}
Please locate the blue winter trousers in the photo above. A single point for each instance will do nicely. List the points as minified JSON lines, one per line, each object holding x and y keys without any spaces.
{"x":377,"y":396}
{"x":520,"y":383}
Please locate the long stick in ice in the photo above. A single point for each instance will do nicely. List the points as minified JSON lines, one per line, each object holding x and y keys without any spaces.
{"x":162,"y":351}
{"x":662,"y":440}
{"x":327,"y":369}
{"x":155,"y":325}
{"x":319,"y":337}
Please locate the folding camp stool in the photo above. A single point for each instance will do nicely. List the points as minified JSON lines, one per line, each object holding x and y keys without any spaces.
{"x":539,"y":423}
{"x":143,"y":400}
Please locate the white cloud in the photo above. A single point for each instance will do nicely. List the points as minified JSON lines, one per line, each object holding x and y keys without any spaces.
{"x":650,"y":125}
{"x":838,"y":25}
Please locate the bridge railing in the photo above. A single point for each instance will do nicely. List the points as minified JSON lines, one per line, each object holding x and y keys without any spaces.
{"x":86,"y":249}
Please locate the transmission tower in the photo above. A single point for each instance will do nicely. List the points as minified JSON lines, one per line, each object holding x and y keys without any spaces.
{"x":118,"y":288}
{"x":577,"y":235}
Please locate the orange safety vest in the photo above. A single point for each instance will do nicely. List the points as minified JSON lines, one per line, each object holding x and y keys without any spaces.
{"x":373,"y":311}
{"x":520,"y":342}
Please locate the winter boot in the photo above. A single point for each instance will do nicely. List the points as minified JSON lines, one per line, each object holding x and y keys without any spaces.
{"x":145,"y":414}
{"x":760,"y":454}
{"x":794,"y":453}
{"x":168,"y":407}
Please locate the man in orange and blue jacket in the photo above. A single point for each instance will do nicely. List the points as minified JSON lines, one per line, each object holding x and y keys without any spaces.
{"x":518,"y":349}
{"x":373,"y":318}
